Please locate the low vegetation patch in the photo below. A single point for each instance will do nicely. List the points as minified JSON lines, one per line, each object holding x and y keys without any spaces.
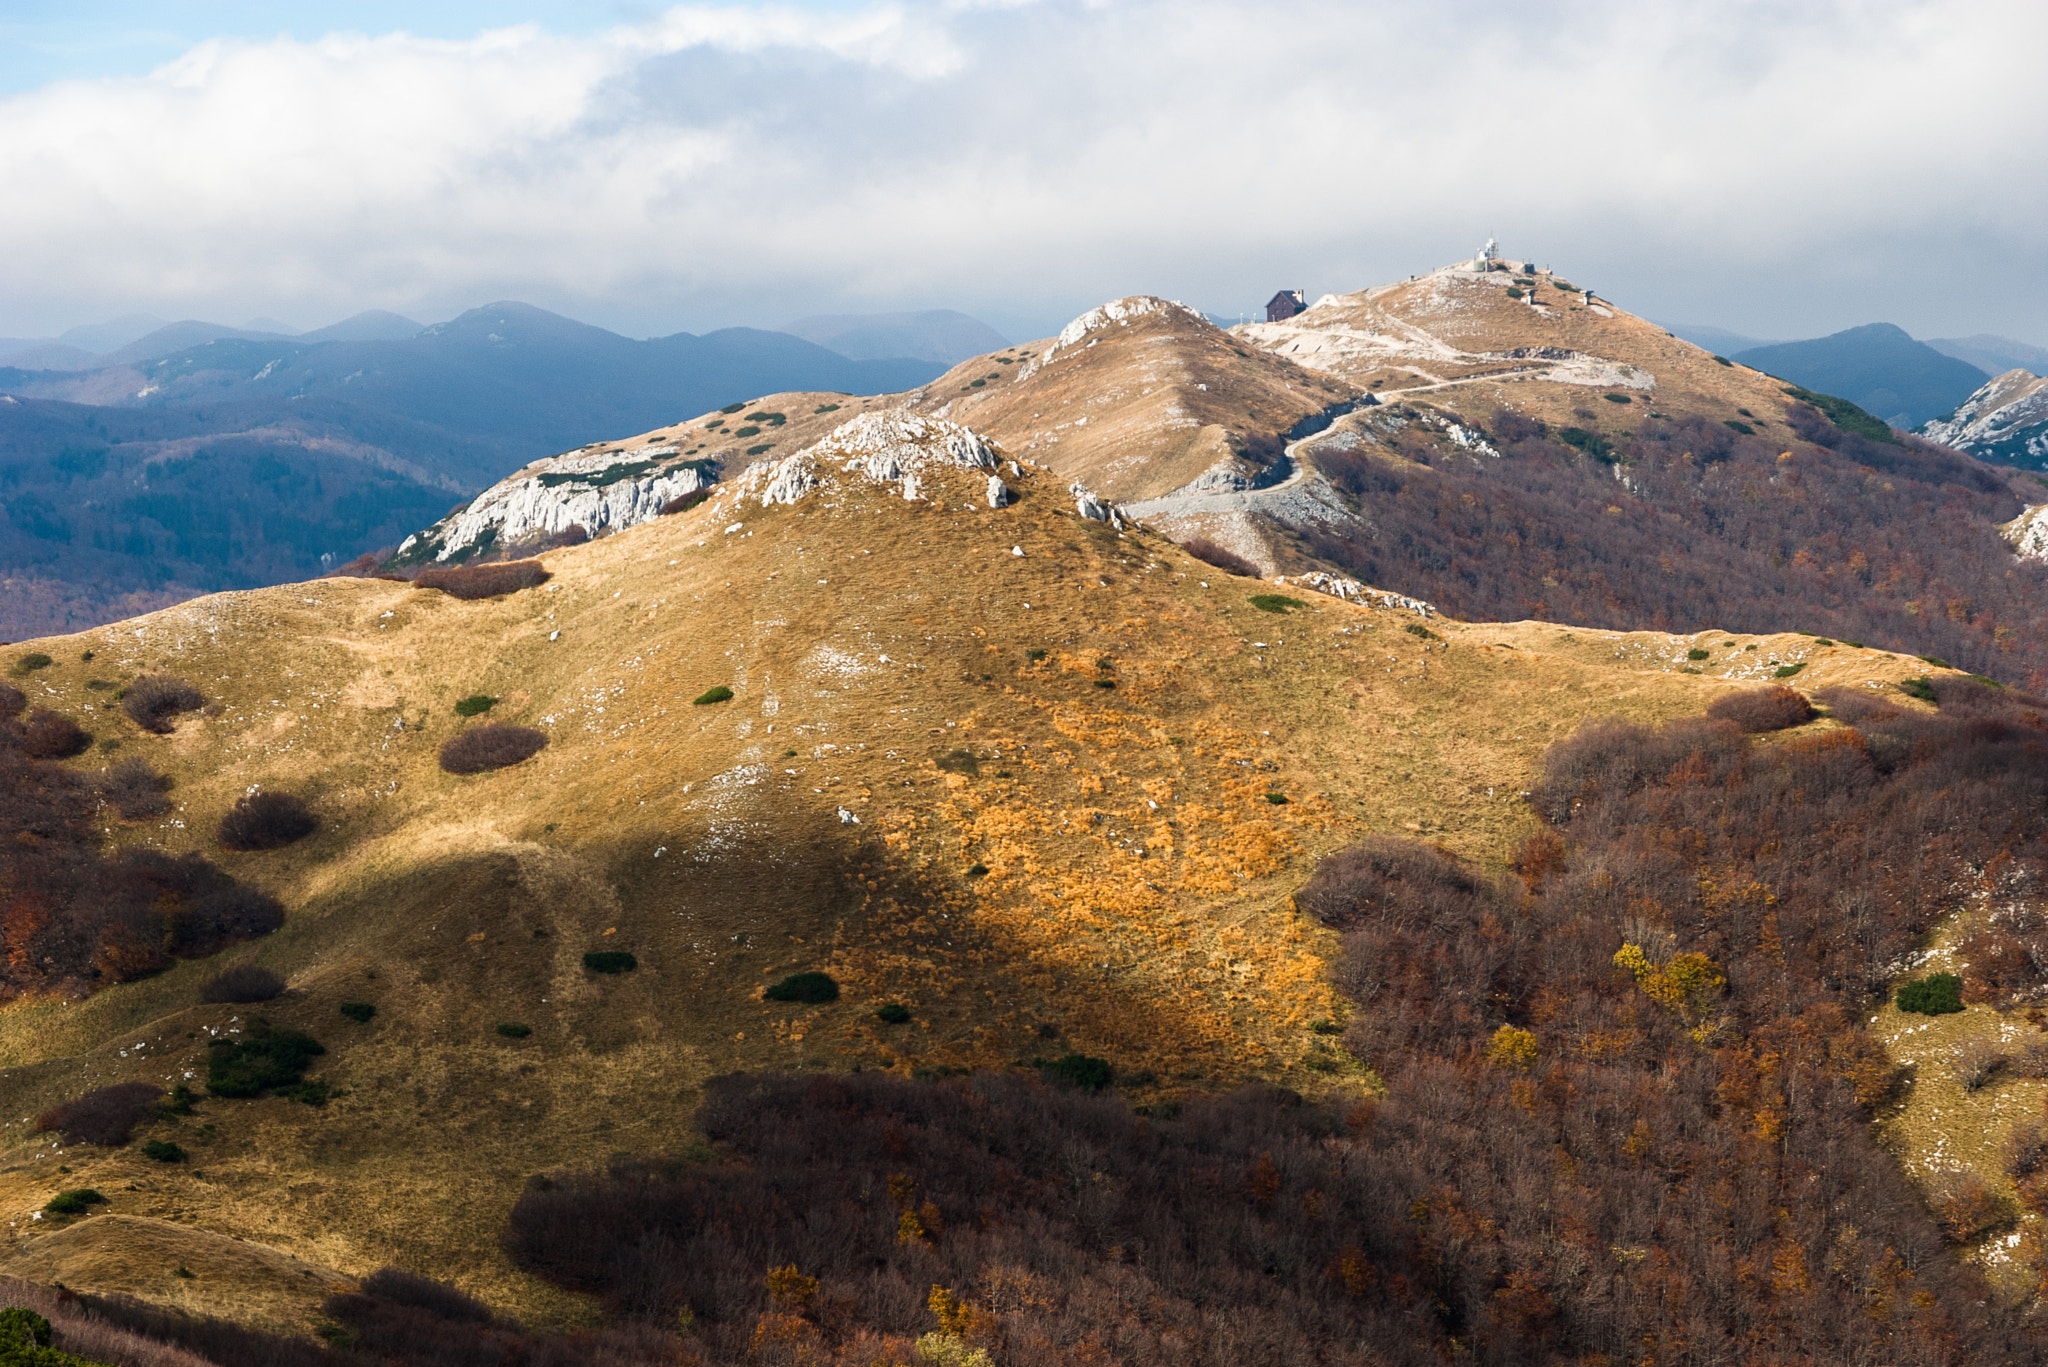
{"x":1937,"y":994}
{"x":163,"y":1151}
{"x":267,"y":821}
{"x":715,"y":693}
{"x":496,"y":745}
{"x":154,"y":699}
{"x":1229,"y":561}
{"x":77,"y":1201}
{"x":610,"y":961}
{"x":514,"y":1030}
{"x":242,"y":985}
{"x":1921,"y":688}
{"x":1773,"y":708}
{"x":359,"y":1012}
{"x":892,"y":1013}
{"x":264,"y":1061}
{"x":812,"y":988}
{"x":475,"y":705}
{"x":1697,"y":654}
{"x":104,"y":1116}
{"x":1787,"y":671}
{"x":1078,"y":1072}
{"x":135,"y":790}
{"x":682,"y":503}
{"x":470,"y":582}
{"x":30,"y":663}
{"x":1276,"y":602}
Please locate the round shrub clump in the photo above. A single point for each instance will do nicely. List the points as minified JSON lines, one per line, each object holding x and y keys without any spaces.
{"x":163,"y":1151}
{"x":74,"y":1202}
{"x":893,"y":1013}
{"x":497,"y":745}
{"x":484,"y":581}
{"x":267,"y":821}
{"x":359,"y":1012}
{"x":513,"y":1030}
{"x":811,"y":988}
{"x":1081,"y":1072}
{"x":52,"y":735}
{"x":31,"y":662}
{"x":135,"y":790}
{"x":716,"y":693}
{"x":105,"y":1115}
{"x":152,"y":700}
{"x":1763,"y":709}
{"x":1937,"y":994}
{"x":242,"y":984}
{"x":475,"y":704}
{"x":610,"y":961}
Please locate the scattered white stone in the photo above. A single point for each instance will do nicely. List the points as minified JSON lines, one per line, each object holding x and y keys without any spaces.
{"x":847,"y":818}
{"x":734,"y":527}
{"x":998,"y":492}
{"x":1017,"y":551}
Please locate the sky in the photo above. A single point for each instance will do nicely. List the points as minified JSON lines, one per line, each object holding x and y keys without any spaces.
{"x":1780,"y":169}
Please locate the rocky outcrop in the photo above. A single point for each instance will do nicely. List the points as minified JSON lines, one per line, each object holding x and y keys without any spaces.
{"x":1351,"y":591}
{"x":602,"y":491}
{"x":2006,"y":420}
{"x":899,"y":446}
{"x":2028,"y":533}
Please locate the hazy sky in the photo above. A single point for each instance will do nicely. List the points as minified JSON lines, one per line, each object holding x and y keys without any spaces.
{"x":1783,"y":168}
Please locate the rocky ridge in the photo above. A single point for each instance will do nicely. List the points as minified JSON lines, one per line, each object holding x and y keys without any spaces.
{"x":2006,"y":420}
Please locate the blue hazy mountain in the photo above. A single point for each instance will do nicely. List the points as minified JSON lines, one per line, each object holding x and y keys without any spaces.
{"x":941,"y":335}
{"x":246,"y":460}
{"x":1995,"y":355}
{"x":1877,"y":367}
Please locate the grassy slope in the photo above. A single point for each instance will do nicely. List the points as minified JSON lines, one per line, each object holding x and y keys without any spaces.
{"x":691,"y":837}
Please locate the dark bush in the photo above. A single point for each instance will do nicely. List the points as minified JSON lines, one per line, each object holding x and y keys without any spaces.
{"x":359,"y":1012}
{"x":31,"y":662}
{"x":495,"y":745}
{"x":513,"y":1030}
{"x":1937,"y":994}
{"x":263,"y":1060}
{"x":1230,"y":562}
{"x":163,"y":1151}
{"x":1276,"y":602}
{"x":610,"y":961}
{"x":52,"y":735}
{"x":682,"y":503}
{"x":810,"y":987}
{"x":135,"y":790}
{"x":153,"y":699}
{"x":437,"y":1298}
{"x":74,"y":1202}
{"x":11,"y":702}
{"x":1081,"y":1072}
{"x":715,"y":693}
{"x":1763,"y":709}
{"x":1787,"y":671}
{"x":241,"y":985}
{"x":267,"y":821}
{"x":470,"y":582}
{"x":105,"y":1115}
{"x":475,"y":705}
{"x":892,"y":1013}
{"x":1697,"y":654}
{"x":1921,"y":688}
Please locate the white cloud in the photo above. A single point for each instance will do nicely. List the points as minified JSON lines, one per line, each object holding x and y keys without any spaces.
{"x":1730,"y":162}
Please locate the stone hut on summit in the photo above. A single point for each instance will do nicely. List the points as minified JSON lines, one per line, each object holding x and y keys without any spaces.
{"x":1285,"y":305}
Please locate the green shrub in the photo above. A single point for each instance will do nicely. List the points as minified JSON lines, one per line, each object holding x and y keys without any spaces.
{"x":179,"y":1102}
{"x":163,"y":1151}
{"x":764,"y":446}
{"x":31,"y":662}
{"x":1845,"y":415}
{"x":74,"y":1202}
{"x":1822,"y":641}
{"x":748,"y":431}
{"x":1987,"y":681}
{"x":263,"y":1060}
{"x":514,"y":1030}
{"x":1738,"y":425}
{"x":610,"y":961}
{"x":1853,"y":645}
{"x":892,"y":1013}
{"x":1936,"y":661}
{"x":1034,"y":655}
{"x":1105,"y":683}
{"x":732,"y":408}
{"x":1592,"y":443}
{"x":1325,"y":1027}
{"x":1921,"y":688}
{"x":977,"y":870}
{"x":825,"y":408}
{"x":312,"y":1091}
{"x":1080,"y":1072}
{"x":772,"y":419}
{"x":1723,"y":360}
{"x":1787,"y":671}
{"x":1277,"y":799}
{"x":475,"y":704}
{"x":359,"y":1012}
{"x":812,"y":988}
{"x":1697,"y":654}
{"x":1937,"y":994}
{"x":1514,"y":293}
{"x":1616,"y":398}
{"x":25,"y":1339}
{"x":715,"y":693}
{"x":1417,"y":629}
{"x":1276,"y":602}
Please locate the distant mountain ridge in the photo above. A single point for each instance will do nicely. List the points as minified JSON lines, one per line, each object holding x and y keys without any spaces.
{"x":941,"y":335}
{"x":1878,"y":367}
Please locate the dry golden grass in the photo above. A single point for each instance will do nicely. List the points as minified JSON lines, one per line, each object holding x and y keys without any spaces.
{"x":1136,"y":903}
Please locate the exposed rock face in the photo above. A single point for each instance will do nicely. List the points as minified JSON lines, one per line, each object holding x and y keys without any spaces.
{"x":1351,"y":591}
{"x":601,"y":491}
{"x":899,"y":447}
{"x":2006,"y":420}
{"x":998,"y":492}
{"x":2028,"y":533}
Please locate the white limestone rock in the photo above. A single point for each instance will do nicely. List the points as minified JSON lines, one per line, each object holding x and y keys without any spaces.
{"x":2028,"y":533}
{"x":1351,"y":591}
{"x":896,"y":446}
{"x":998,"y":492}
{"x":601,"y":491}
